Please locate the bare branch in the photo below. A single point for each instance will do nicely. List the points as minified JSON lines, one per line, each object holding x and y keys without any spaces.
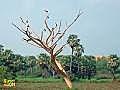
{"x":52,"y":47}
{"x":41,"y":36}
{"x":21,"y":30}
{"x":79,"y":14}
{"x":38,"y":42}
{"x":60,"y":49}
{"x":46,"y":24}
{"x":36,"y":39}
{"x":58,"y":32}
{"x":34,"y":44}
{"x":30,"y":38}
{"x":35,"y":34}
{"x":50,"y":32}
{"x":22,"y":20}
{"x":28,"y":27}
{"x":53,"y":32}
{"x":59,"y":27}
{"x":54,"y":28}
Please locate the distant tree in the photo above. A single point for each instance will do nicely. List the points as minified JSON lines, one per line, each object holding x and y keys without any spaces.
{"x":87,"y":67}
{"x":72,"y":41}
{"x":65,"y":60}
{"x":44,"y":62}
{"x":2,"y":72}
{"x":102,"y":69}
{"x":1,"y":48}
{"x":44,"y":57}
{"x":76,"y":47}
{"x":77,"y":50}
{"x":113,"y":65}
{"x":91,"y":66}
{"x":30,"y":61}
{"x":7,"y":59}
{"x":1,"y":55}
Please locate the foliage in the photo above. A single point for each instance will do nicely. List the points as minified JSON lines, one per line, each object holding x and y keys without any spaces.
{"x":113,"y":65}
{"x":2,"y":72}
{"x":77,"y":50}
{"x":83,"y":67}
{"x":87,"y":67}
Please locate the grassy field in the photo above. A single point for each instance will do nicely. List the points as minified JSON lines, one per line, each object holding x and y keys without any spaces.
{"x":61,"y":86}
{"x":33,"y":83}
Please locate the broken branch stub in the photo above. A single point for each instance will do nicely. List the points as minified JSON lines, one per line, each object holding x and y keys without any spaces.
{"x":53,"y":37}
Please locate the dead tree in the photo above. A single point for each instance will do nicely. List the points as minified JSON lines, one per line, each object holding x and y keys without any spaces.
{"x":49,"y":43}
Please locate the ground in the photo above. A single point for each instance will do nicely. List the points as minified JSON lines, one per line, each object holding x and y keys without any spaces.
{"x":61,"y":86}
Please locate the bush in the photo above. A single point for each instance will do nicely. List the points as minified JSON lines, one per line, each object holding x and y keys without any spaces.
{"x":2,"y":73}
{"x":117,"y":76}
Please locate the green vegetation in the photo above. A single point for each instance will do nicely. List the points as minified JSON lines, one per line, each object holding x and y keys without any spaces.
{"x":36,"y":72}
{"x":77,"y":50}
{"x":83,"y":67}
{"x":113,"y":65}
{"x":30,"y":79}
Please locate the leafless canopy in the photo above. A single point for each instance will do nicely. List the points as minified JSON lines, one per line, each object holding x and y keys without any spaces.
{"x":54,"y":35}
{"x":49,"y":43}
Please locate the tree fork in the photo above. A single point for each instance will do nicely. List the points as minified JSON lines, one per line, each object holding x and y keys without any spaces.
{"x":53,"y":37}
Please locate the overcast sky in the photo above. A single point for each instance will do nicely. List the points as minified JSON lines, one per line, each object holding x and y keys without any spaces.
{"x":98,"y":28}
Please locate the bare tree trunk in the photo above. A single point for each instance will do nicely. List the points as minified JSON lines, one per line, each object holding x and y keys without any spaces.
{"x":71,"y":62}
{"x":113,"y":75}
{"x":78,"y":67}
{"x":59,"y":69}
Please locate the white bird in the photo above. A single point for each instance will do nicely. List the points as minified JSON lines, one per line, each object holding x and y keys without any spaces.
{"x":45,"y":11}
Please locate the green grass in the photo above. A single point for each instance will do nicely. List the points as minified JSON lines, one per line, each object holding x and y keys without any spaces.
{"x":62,"y":86}
{"x":34,"y":83}
{"x":95,"y":81}
{"x":46,"y":80}
{"x":37,"y":80}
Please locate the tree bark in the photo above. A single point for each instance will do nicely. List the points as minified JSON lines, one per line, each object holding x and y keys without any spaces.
{"x":53,"y":72}
{"x":59,"y":69}
{"x":113,"y":75}
{"x":71,"y":62}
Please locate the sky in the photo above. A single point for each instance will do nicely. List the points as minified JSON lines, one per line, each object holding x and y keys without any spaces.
{"x":98,"y":27}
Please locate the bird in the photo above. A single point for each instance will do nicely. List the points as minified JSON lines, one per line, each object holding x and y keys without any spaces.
{"x":44,"y":29}
{"x":45,"y":11}
{"x":26,"y":21}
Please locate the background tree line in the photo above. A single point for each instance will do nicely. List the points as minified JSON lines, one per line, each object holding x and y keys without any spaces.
{"x":77,"y":65}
